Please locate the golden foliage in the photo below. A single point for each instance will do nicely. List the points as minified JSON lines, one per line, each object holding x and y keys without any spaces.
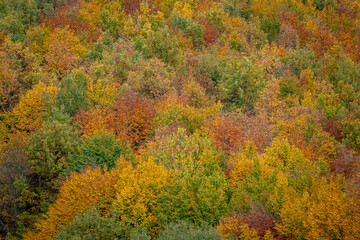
{"x":79,"y":193}
{"x":27,"y":114}
{"x":137,"y":193}
{"x":65,"y":50}
{"x":101,"y":92}
{"x":324,"y":213}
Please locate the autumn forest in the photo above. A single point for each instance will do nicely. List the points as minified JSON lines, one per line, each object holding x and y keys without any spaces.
{"x":180,"y":119}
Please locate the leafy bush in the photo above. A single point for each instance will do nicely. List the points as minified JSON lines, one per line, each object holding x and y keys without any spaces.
{"x":112,"y":19}
{"x":153,"y":79}
{"x":198,"y":192}
{"x":183,"y":231}
{"x":14,"y":170}
{"x":351,"y":134}
{"x":10,"y":86}
{"x":49,"y":151}
{"x":254,"y":225}
{"x":27,"y":115}
{"x":238,"y":8}
{"x":346,"y":71}
{"x":91,"y":225}
{"x":17,"y":16}
{"x":241,"y":84}
{"x":302,"y":59}
{"x":101,"y":149}
{"x":158,"y":44}
{"x":271,"y":28}
{"x":321,"y":4}
{"x":190,"y":27}
{"x":72,"y":94}
{"x":137,"y":194}
{"x":303,"y":216}
{"x":130,"y":118}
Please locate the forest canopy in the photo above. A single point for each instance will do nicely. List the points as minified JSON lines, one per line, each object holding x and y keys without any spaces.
{"x":169,"y":119}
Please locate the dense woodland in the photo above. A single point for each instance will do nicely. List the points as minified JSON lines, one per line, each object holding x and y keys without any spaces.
{"x":188,"y":119}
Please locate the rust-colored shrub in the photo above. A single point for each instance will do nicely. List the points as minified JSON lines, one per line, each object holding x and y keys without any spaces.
{"x":291,"y":19}
{"x":10,"y":87}
{"x":90,"y":121}
{"x":321,"y":42}
{"x":288,"y":36}
{"x":345,"y":162}
{"x":350,"y":44}
{"x":130,"y":118}
{"x":210,"y":33}
{"x":332,"y":126}
{"x":131,"y":6}
{"x":70,"y":16}
{"x":227,"y":132}
{"x":259,"y":222}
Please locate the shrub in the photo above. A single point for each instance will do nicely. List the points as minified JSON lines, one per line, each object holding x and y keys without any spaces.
{"x":351,"y":134}
{"x":191,"y":28}
{"x":49,"y":151}
{"x":99,"y":149}
{"x":304,"y":216}
{"x":346,"y":71}
{"x":153,"y":79}
{"x":227,"y":132}
{"x":26,"y":116}
{"x":241,"y":84}
{"x":91,"y":225}
{"x":10,"y":87}
{"x":199,"y":190}
{"x":254,"y":224}
{"x":65,"y":50}
{"x":183,"y":230}
{"x":210,"y":33}
{"x":302,"y":59}
{"x":271,"y":27}
{"x":17,"y":16}
{"x":78,"y":194}
{"x":158,"y":44}
{"x":72,"y":94}
{"x":14,"y":170}
{"x":130,"y":118}
{"x":137,"y":194}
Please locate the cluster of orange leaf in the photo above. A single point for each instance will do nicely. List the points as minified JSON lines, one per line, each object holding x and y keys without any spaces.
{"x":232,"y":119}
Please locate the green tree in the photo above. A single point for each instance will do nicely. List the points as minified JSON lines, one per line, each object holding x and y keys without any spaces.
{"x":199,"y":190}
{"x":183,"y":230}
{"x":72,"y":93}
{"x":17,"y":16}
{"x":13,"y":181}
{"x":301,"y":59}
{"x":191,"y":28}
{"x":102,"y":149}
{"x":159,"y":44}
{"x":91,"y":225}
{"x":352,"y":134}
{"x":241,"y":84}
{"x":49,"y":151}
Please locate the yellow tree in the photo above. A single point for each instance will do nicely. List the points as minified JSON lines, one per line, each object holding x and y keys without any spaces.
{"x":138,"y":191}
{"x":324,"y":213}
{"x":27,"y":114}
{"x":78,"y":194}
{"x":65,"y":50}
